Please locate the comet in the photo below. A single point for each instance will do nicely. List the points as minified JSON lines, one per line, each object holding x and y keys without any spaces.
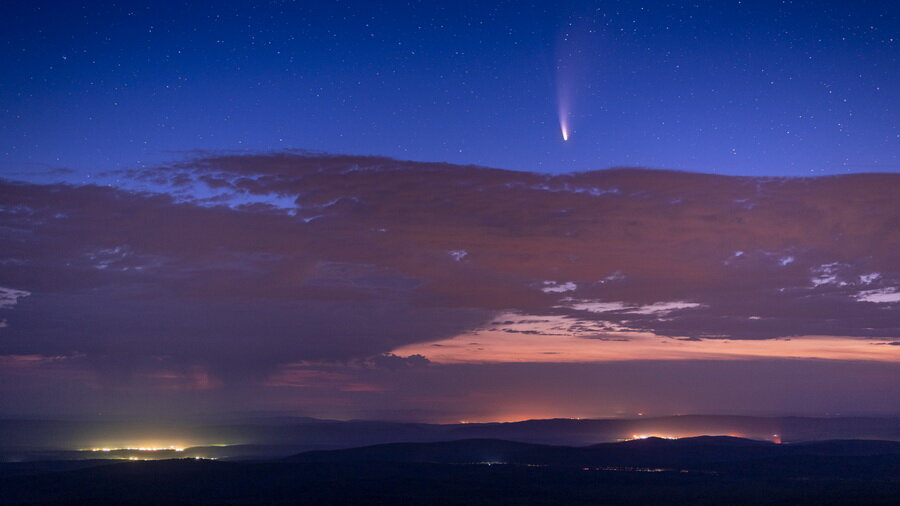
{"x":574,"y":49}
{"x":564,"y":85}
{"x":563,"y":102}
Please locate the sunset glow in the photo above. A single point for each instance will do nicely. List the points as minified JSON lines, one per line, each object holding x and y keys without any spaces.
{"x":546,"y":342}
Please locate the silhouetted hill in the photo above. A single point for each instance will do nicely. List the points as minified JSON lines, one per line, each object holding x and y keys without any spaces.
{"x":686,"y":442}
{"x":584,"y":432}
{"x":651,"y":452}
{"x":470,"y":451}
{"x":269,"y":437}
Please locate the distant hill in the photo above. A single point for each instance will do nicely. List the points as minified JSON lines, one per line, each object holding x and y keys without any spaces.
{"x":261,"y":437}
{"x":644,"y":453}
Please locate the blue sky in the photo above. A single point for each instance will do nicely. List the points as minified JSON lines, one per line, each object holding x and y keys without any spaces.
{"x":735,"y":87}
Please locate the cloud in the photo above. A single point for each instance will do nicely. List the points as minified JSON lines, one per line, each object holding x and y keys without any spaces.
{"x":458,"y":254}
{"x":10,"y":296}
{"x":881,"y":296}
{"x":554,"y":287}
{"x":656,"y":308}
{"x":869,"y":278}
{"x":307,"y":257}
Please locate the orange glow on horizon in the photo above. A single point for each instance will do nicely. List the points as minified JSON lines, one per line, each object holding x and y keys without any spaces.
{"x":544,"y":342}
{"x":139,"y":449}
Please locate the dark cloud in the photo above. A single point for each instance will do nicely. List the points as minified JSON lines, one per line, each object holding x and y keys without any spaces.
{"x":249,"y":262}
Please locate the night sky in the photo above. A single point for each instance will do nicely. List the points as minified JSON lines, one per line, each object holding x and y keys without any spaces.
{"x":732,"y":87}
{"x":369,"y":209}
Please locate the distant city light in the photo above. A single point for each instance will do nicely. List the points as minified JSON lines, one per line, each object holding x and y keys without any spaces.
{"x":647,"y":436}
{"x":138,"y":449}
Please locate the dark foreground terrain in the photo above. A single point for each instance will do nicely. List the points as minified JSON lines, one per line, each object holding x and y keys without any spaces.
{"x":687,"y":471}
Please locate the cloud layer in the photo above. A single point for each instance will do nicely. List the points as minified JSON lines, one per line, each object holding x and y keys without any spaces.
{"x":226,"y":270}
